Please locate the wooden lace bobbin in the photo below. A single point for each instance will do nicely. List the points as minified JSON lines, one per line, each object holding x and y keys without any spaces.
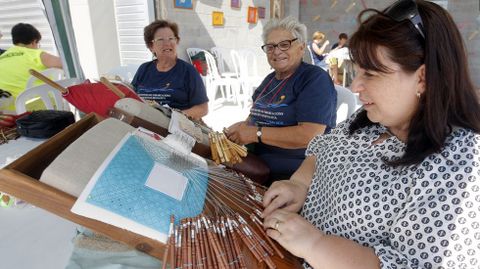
{"x":226,"y":148}
{"x":219,"y":240}
{"x":211,"y":260}
{"x":259,"y":247}
{"x":173,"y":248}
{"x":168,"y":248}
{"x":256,"y":245}
{"x":184,"y":247}
{"x":260,"y":228}
{"x":262,"y":242}
{"x":230,"y":243}
{"x":223,"y":149}
{"x":220,"y":257}
{"x":219,"y":149}
{"x":256,"y":238}
{"x":178,"y":247}
{"x":241,"y":150}
{"x":197,"y":259}
{"x":190,"y":252}
{"x":247,"y":242}
{"x":226,"y":245}
{"x":213,"y":149}
{"x":203,"y":245}
{"x":236,"y":245}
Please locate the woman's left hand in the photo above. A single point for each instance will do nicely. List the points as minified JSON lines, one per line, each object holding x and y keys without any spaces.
{"x":242,"y":133}
{"x":292,"y":231}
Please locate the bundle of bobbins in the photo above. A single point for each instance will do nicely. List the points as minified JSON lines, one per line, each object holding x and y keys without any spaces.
{"x":225,"y":151}
{"x":231,"y":221}
{"x":8,"y":127}
{"x":7,"y":133}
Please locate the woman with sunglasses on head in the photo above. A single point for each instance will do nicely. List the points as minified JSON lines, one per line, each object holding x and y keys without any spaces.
{"x":292,"y":105}
{"x":398,"y":184}
{"x":168,"y":80}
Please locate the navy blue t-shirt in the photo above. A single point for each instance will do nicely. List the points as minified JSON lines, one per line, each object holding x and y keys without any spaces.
{"x":306,"y":96}
{"x":180,"y":87}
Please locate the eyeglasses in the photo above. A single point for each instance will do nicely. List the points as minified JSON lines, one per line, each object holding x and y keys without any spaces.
{"x":161,"y":41}
{"x":282,"y":45}
{"x":406,"y":10}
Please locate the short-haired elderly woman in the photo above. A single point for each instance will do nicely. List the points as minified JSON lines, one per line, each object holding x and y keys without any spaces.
{"x":168,"y":80}
{"x":292,"y":105}
{"x":398,"y":184}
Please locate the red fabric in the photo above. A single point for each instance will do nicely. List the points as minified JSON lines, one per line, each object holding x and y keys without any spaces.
{"x":201,"y":67}
{"x":96,"y":97}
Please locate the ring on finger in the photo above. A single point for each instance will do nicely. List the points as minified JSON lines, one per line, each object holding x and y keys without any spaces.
{"x":276,"y":224}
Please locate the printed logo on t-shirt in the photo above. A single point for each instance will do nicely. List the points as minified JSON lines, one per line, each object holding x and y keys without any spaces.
{"x":162,"y":96}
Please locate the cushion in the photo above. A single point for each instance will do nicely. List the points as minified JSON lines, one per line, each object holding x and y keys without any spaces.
{"x":73,"y":168}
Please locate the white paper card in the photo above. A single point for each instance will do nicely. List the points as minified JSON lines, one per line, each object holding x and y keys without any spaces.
{"x":167,"y":181}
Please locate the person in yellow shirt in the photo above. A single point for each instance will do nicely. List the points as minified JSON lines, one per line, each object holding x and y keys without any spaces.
{"x":22,"y":56}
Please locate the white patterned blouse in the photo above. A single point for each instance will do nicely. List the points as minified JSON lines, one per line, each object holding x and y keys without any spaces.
{"x":420,"y":216}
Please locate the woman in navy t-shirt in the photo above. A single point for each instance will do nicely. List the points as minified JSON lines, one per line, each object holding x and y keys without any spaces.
{"x":292,"y":105}
{"x":168,"y":80}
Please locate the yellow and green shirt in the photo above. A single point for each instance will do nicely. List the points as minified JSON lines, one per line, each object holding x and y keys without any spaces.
{"x":14,"y":66}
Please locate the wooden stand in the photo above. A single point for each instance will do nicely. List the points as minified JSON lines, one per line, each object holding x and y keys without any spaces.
{"x":20,"y":179}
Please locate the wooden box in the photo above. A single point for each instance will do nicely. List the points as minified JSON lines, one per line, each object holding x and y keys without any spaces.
{"x":20,"y":179}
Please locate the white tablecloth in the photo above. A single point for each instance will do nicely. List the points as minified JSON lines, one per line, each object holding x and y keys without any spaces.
{"x":12,"y":150}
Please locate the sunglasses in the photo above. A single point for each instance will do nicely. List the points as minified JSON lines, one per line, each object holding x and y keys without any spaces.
{"x":406,"y":10}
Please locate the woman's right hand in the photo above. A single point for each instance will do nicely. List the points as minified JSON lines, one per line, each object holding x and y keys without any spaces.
{"x":286,"y":194}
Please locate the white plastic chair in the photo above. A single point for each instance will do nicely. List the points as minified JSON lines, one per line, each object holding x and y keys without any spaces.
{"x":245,"y":65}
{"x":222,"y":55}
{"x":193,"y":51}
{"x":229,"y":86}
{"x":47,"y":94}
{"x":251,"y":66}
{"x":309,"y":55}
{"x":347,"y":97}
{"x":51,"y":73}
{"x":125,"y":72}
{"x":239,"y":66}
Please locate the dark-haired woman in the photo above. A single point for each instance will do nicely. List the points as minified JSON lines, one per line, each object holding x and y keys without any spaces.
{"x":168,"y":80}
{"x":398,"y":184}
{"x":25,"y":54}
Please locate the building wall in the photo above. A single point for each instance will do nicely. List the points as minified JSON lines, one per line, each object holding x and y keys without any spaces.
{"x":95,"y":33}
{"x":196,"y":28}
{"x":334,"y":17}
